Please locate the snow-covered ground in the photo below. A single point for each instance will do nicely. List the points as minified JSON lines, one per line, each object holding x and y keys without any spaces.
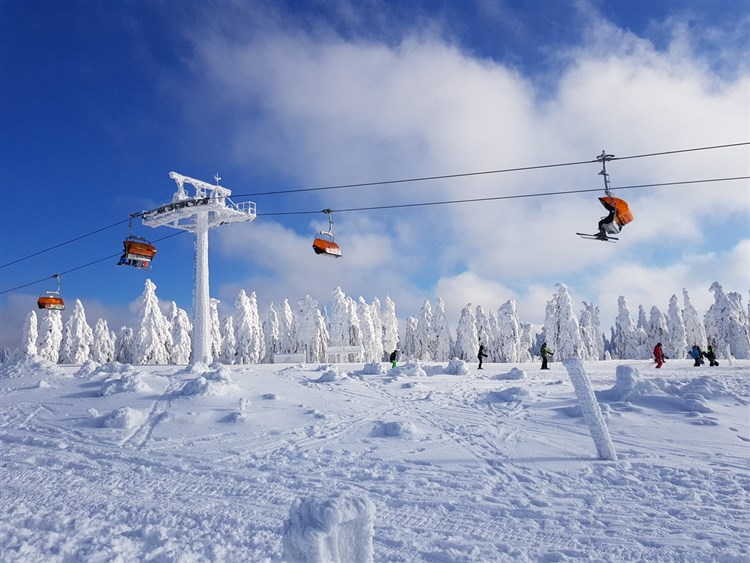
{"x":164,"y":463}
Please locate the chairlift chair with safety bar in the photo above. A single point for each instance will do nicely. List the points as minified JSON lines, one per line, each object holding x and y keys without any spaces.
{"x":52,"y":300}
{"x":324,"y":242}
{"x":137,"y":251}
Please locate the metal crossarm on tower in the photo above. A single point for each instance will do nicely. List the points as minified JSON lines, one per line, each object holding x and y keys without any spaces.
{"x":208,"y":208}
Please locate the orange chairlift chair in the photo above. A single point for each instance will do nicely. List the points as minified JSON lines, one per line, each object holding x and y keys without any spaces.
{"x":619,"y":212}
{"x":324,"y":242}
{"x":137,"y":251}
{"x":52,"y":300}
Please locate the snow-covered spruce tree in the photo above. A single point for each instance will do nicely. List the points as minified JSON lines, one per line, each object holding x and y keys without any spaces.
{"x":677,"y":342}
{"x":485,"y":335}
{"x":228,"y":341}
{"x":625,"y":338}
{"x":181,"y":343}
{"x":645,"y":347}
{"x":609,"y":345}
{"x":424,"y":333}
{"x":124,"y":345}
{"x":248,"y":331}
{"x":525,"y":343}
{"x":591,"y":333}
{"x":378,"y":351}
{"x":467,"y":339}
{"x":29,"y":336}
{"x":657,"y":328}
{"x":368,"y":332}
{"x":508,"y":338}
{"x":312,"y":332}
{"x":215,"y":329}
{"x":493,"y":350}
{"x":271,"y":334}
{"x":287,"y":329}
{"x":339,"y":330}
{"x":443,"y":339}
{"x":390,"y":326}
{"x":695,"y":331}
{"x":77,"y":337}
{"x":642,"y":319}
{"x":561,"y":326}
{"x":153,"y":337}
{"x":410,"y":345}
{"x":353,"y":324}
{"x":103,"y":347}
{"x":726,"y":323}
{"x":50,"y":336}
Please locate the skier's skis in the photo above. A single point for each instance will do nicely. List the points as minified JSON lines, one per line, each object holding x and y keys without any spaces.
{"x":605,"y":238}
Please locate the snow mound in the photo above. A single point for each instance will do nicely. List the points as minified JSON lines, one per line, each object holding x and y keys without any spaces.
{"x":510,"y":395}
{"x":629,"y":386}
{"x":271,"y":397}
{"x":235,"y":418}
{"x":88,"y":368}
{"x":411,"y":369}
{"x":28,"y":365}
{"x":393,"y":429}
{"x":211,"y":384}
{"x":457,"y":367}
{"x":129,"y":382}
{"x":374,"y":368}
{"x":514,"y":373}
{"x":666,"y":396}
{"x":337,"y":530}
{"x":114,"y":368}
{"x":331,"y":374}
{"x":124,"y":417}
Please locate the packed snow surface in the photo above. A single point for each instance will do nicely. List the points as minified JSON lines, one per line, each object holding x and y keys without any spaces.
{"x":431,"y":462}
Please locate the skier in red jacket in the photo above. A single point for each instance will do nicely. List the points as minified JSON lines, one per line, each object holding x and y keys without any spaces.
{"x":658,"y":355}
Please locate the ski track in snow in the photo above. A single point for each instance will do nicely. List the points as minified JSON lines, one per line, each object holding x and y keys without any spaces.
{"x":474,"y":481}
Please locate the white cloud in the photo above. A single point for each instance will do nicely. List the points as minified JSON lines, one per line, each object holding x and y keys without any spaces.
{"x":321,"y":109}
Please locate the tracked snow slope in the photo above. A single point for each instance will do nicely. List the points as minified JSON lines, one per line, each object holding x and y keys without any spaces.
{"x":175,"y":464}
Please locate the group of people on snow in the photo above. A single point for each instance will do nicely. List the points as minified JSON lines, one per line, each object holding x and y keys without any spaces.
{"x":695,"y":352}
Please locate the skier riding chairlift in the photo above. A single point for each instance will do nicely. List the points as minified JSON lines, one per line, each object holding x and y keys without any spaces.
{"x":137,"y":251}
{"x":619,"y":213}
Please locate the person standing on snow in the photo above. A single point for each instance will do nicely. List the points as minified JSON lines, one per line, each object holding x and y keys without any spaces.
{"x":697,"y":355}
{"x":393,"y":356}
{"x":545,"y":352}
{"x":658,"y":355}
{"x":481,"y":354}
{"x":710,"y":356}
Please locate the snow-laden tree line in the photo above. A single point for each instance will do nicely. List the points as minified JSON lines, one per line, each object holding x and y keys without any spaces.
{"x":243,"y":338}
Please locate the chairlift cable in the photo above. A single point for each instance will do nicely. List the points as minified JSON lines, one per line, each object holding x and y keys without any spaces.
{"x":64,"y":243}
{"x":422,"y":204}
{"x":483,"y":173}
{"x":516,"y":196}
{"x":391,"y":182}
{"x":110,"y":257}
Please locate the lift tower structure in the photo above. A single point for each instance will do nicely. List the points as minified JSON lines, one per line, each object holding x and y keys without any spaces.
{"x":210,"y":207}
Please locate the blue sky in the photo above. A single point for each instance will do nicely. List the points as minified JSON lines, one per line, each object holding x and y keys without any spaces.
{"x":100,"y":101}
